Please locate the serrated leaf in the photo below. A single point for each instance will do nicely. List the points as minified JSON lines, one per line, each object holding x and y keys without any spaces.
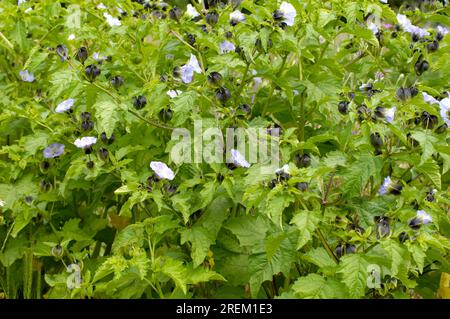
{"x":204,"y":232}
{"x":107,"y":114}
{"x":354,"y":274}
{"x":306,"y":222}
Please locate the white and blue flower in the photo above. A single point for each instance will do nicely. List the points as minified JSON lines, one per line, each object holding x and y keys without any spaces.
{"x":226,"y":47}
{"x":187,"y":70}
{"x":113,"y":22}
{"x":429,"y":99}
{"x":389,"y":114}
{"x":236,"y":17}
{"x":65,"y":106}
{"x":162,"y":170}
{"x":85,"y":142}
{"x":444,"y":106}
{"x":424,"y":217}
{"x":239,"y":160}
{"x":173,"y":93}
{"x":191,"y":12}
{"x":26,"y":76}
{"x":288,"y":12}
{"x":53,"y":150}
{"x":384,"y":189}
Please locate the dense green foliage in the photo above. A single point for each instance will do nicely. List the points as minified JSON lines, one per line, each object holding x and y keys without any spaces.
{"x":330,"y":226}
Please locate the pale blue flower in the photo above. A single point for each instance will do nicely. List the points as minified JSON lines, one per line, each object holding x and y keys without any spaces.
{"x":284,"y":169}
{"x":26,"y":76}
{"x":53,"y":150}
{"x":289,"y":13}
{"x":111,"y":20}
{"x":429,"y":99}
{"x":442,"y":31}
{"x":85,"y":142}
{"x":162,"y":170}
{"x":65,"y":106}
{"x":187,"y":70}
{"x":373,"y":27}
{"x":191,"y":12}
{"x":407,"y":26}
{"x":421,"y":214}
{"x":226,"y":47}
{"x":173,"y":93}
{"x":385,"y":186}
{"x":389,"y":114}
{"x":236,"y":17}
{"x":238,"y":159}
{"x":444,"y":105}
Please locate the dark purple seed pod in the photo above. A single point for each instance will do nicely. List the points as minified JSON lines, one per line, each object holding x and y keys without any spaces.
{"x":82,"y":54}
{"x":85,"y":116}
{"x":175,"y":13}
{"x":273,"y":183}
{"x":244,"y":108}
{"x":403,"y":237}
{"x":166,"y":115}
{"x":223,"y":94}
{"x":214,"y":78}
{"x":62,"y":51}
{"x":45,"y":165}
{"x":139,"y":101}
{"x":45,"y":186}
{"x":87,"y":125}
{"x":212,"y":18}
{"x":429,"y":121}
{"x":302,"y":186}
{"x":92,"y":72}
{"x":103,"y":153}
{"x":90,"y":164}
{"x":383,"y":227}
{"x":343,"y":107}
{"x":303,"y":160}
{"x":190,"y":38}
{"x":433,"y":46}
{"x":339,"y":251}
{"x":415,"y":223}
{"x":117,"y":81}
{"x":350,"y":249}
{"x":375,"y":140}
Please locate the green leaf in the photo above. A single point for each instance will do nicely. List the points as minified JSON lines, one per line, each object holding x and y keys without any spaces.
{"x":277,"y":201}
{"x":354,"y":274}
{"x":431,"y":170}
{"x":306,"y":222}
{"x":174,"y":269}
{"x":314,"y":286}
{"x":250,"y":230}
{"x":358,"y":174}
{"x":204,"y":232}
{"x":426,"y":141}
{"x":107,"y":113}
{"x":183,"y":106}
